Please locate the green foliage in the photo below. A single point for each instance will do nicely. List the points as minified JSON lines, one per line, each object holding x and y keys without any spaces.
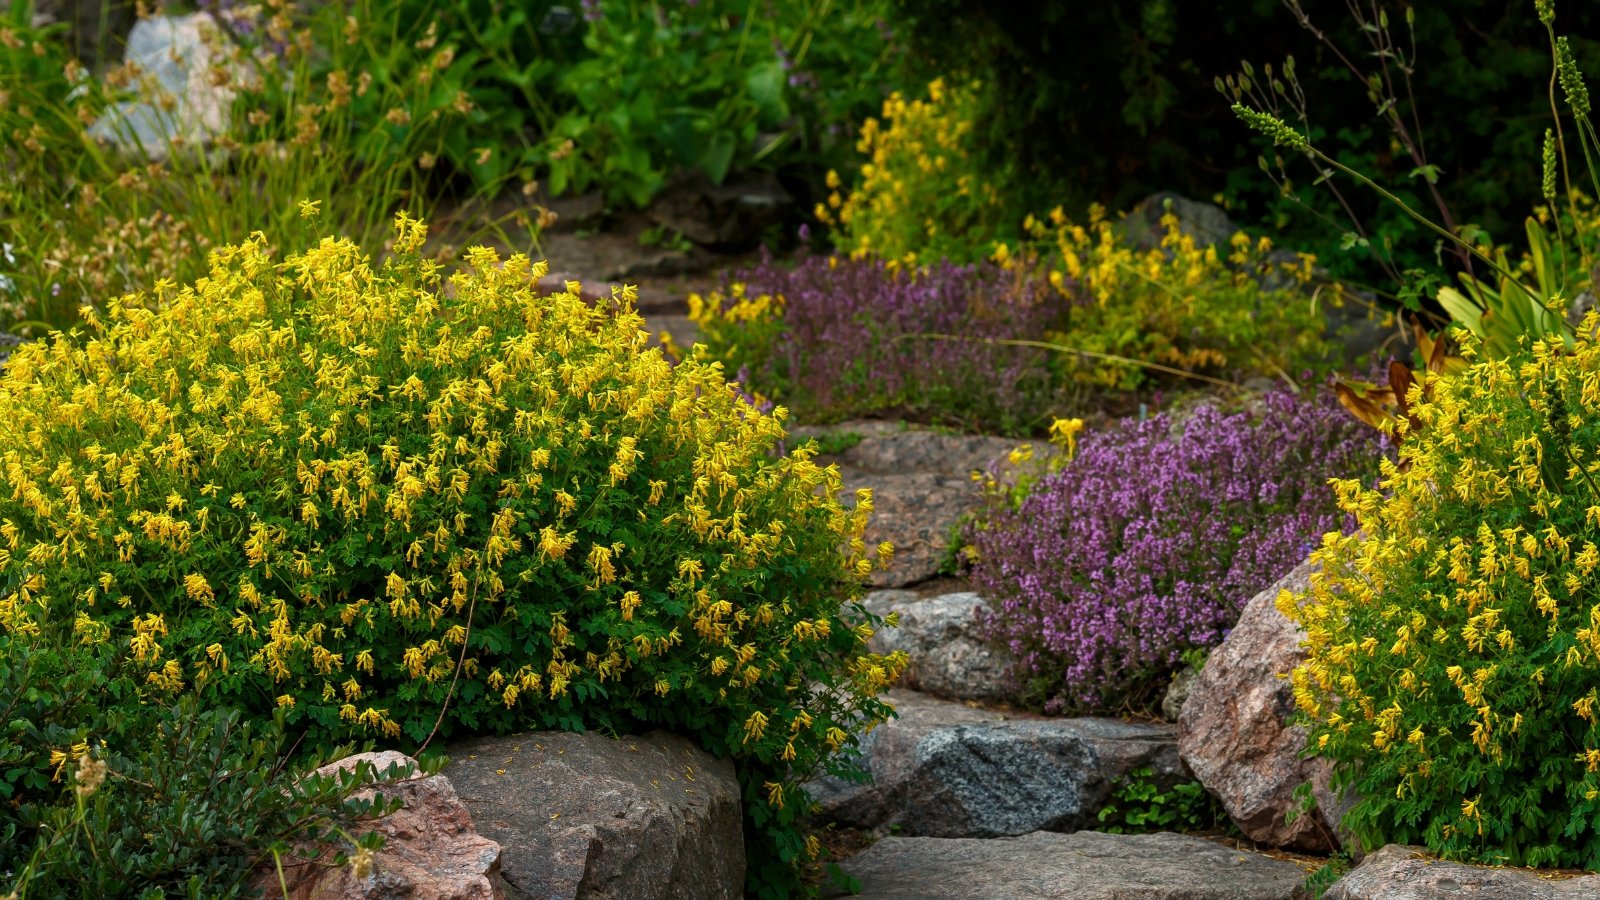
{"x":632,"y":94}
{"x":835,"y":442}
{"x":1141,"y":803}
{"x":1452,"y":644}
{"x":396,"y":508}
{"x":1318,"y":882}
{"x":109,"y":798}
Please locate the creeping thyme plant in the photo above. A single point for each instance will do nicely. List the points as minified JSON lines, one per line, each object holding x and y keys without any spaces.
{"x":1453,"y":641}
{"x":396,"y":507}
{"x":1147,"y":537}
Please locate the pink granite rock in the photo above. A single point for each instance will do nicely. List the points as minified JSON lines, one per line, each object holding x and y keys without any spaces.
{"x":431,"y":850}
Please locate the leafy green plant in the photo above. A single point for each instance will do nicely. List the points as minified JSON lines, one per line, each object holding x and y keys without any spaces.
{"x":107,"y":796}
{"x":1141,"y":803}
{"x":1318,"y":882}
{"x":404,"y":509}
{"x":708,"y":87}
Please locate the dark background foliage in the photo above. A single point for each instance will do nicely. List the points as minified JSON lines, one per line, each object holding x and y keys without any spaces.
{"x":1112,"y":101}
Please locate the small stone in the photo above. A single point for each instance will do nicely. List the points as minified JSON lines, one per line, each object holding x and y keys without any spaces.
{"x":431,"y":850}
{"x":942,"y":637}
{"x":1177,"y":692}
{"x":1399,"y":872}
{"x":922,"y":486}
{"x":178,"y":54}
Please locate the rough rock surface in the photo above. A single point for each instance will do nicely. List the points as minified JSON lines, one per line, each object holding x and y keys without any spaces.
{"x":588,"y":817}
{"x":921,"y":487}
{"x":1178,"y":692}
{"x":736,"y":213}
{"x":1400,"y":872}
{"x":178,"y":54}
{"x":1087,"y":865}
{"x":430,"y":852}
{"x":943,"y":769}
{"x":940,"y":634}
{"x":1234,"y":732}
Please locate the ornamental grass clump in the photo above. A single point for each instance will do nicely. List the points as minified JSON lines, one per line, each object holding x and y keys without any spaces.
{"x":834,"y":338}
{"x":1453,"y":641}
{"x":397,"y":507}
{"x":1146,"y":544}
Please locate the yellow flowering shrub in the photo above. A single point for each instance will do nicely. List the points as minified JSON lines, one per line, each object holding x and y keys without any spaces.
{"x":922,"y":193}
{"x":392,"y":504}
{"x":1223,"y":309}
{"x":1453,"y":670}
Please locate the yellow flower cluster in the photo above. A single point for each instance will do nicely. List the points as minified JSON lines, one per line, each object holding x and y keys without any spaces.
{"x":1179,"y":304}
{"x":920,"y":192}
{"x":1454,"y":640}
{"x":378,"y":498}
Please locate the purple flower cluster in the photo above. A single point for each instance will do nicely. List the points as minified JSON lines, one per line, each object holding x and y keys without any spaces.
{"x":1150,"y":541}
{"x":861,"y":337}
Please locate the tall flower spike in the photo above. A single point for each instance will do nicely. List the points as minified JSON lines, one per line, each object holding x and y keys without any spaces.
{"x":1271,"y":126}
{"x":1572,"y":85}
{"x":1549,"y":184}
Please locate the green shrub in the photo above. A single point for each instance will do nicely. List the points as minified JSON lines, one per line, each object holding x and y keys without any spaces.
{"x":1453,"y":641}
{"x":394,"y":507}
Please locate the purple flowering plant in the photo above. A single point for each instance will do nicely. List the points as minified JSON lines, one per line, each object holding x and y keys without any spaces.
{"x":833,"y":338}
{"x":1103,"y":572}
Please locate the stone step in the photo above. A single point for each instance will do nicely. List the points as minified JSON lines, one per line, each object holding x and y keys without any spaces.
{"x":1400,"y":872}
{"x":945,"y":769}
{"x":1086,"y":865}
{"x":942,"y":636}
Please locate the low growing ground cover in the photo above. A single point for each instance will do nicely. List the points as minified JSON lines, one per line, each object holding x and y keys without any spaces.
{"x":1110,"y":572}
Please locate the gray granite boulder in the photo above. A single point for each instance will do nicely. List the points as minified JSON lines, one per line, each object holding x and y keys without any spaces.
{"x":940,"y":634}
{"x":1083,"y":866}
{"x":588,"y":817}
{"x":1234,"y":731}
{"x":944,"y":769}
{"x":179,"y":99}
{"x":1400,"y":872}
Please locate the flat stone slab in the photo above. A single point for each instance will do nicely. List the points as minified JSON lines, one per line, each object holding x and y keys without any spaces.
{"x":1087,"y":865}
{"x":944,"y":769}
{"x":1399,"y":872}
{"x":589,"y":817}
{"x":921,"y":487}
